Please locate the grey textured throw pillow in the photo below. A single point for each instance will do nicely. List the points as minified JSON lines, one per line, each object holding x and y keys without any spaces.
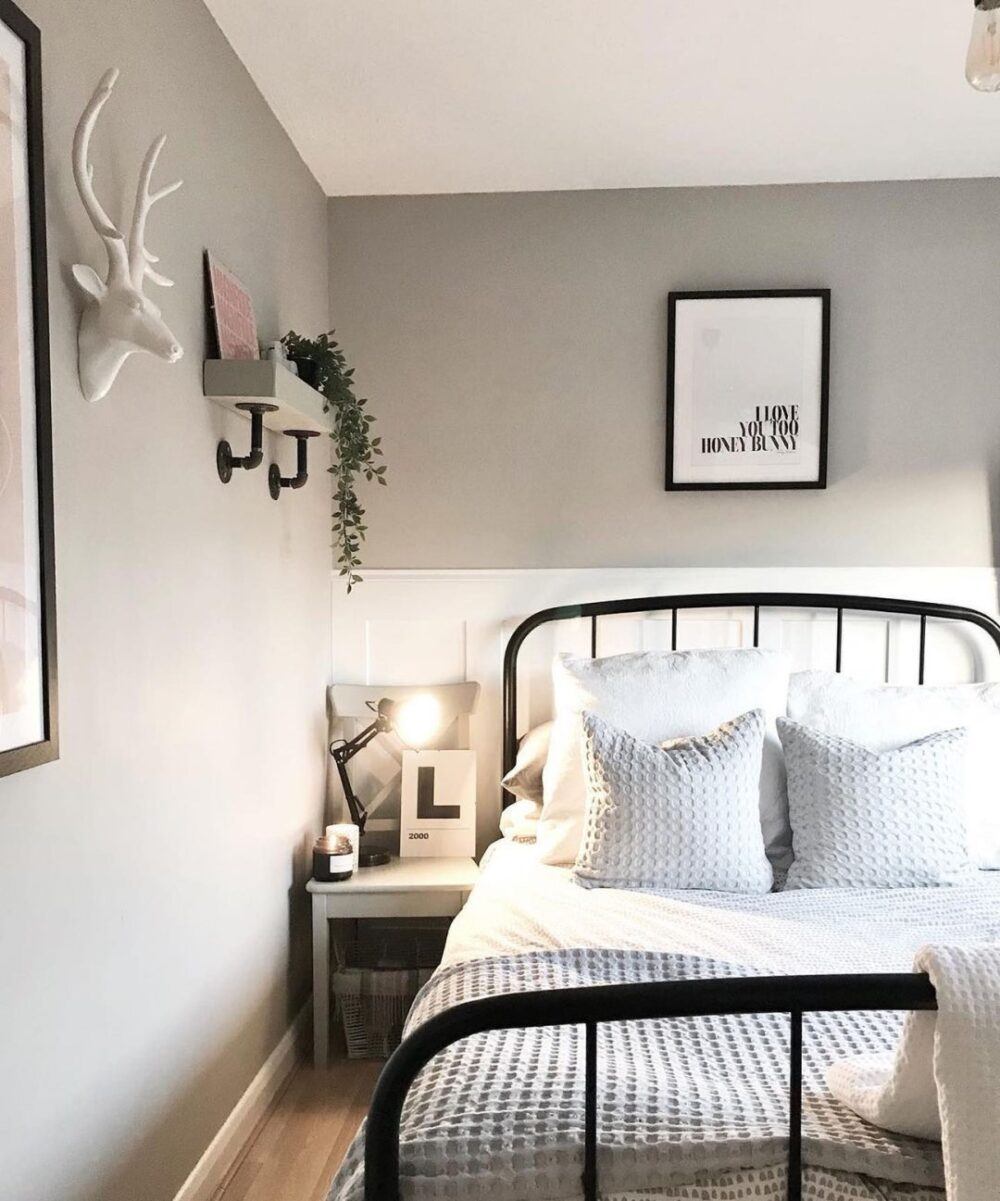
{"x":684,"y":815}
{"x":875,"y":819}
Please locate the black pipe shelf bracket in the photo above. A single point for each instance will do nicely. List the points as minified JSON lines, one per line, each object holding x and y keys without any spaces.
{"x":225,"y":461}
{"x":276,"y":481}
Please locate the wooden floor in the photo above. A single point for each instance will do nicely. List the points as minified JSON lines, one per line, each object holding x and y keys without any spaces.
{"x":302,"y":1140}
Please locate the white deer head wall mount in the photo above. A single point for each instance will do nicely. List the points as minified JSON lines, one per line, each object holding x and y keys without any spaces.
{"x":118,"y":319}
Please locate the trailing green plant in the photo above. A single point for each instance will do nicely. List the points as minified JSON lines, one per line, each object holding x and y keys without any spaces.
{"x":356,"y":449}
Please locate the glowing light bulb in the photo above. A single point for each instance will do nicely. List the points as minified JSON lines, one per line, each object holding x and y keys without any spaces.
{"x":982,"y":67}
{"x":417,"y":720}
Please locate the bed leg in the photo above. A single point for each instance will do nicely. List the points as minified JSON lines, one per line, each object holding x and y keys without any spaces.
{"x":590,"y":1115}
{"x":795,"y":1110}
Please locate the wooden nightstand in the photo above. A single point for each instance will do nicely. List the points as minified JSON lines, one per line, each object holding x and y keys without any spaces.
{"x":400,"y":888}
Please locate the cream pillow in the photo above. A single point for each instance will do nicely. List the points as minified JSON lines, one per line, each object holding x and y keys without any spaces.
{"x":655,"y":696}
{"x":883,"y":717}
{"x":524,"y":780}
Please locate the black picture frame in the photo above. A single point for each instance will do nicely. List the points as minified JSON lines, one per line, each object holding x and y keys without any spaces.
{"x":820,"y":481}
{"x":45,"y":749}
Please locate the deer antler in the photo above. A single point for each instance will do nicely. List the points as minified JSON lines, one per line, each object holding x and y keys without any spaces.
{"x":139,"y":258}
{"x":117,"y":319}
{"x":83,"y":173}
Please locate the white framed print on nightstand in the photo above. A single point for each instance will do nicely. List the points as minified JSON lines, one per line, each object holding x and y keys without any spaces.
{"x":438,"y":804}
{"x":748,"y":383}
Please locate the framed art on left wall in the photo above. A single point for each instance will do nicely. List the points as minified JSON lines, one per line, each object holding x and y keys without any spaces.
{"x":28,"y":702}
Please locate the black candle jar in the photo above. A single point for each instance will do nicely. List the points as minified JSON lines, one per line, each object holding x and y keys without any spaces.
{"x":333,"y":859}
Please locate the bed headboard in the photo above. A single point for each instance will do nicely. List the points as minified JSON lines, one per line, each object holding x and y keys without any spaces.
{"x":924,"y":610}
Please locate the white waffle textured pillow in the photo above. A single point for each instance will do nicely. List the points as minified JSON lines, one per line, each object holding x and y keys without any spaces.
{"x":656,"y":695}
{"x":681,"y":816}
{"x":875,"y":819}
{"x":883,"y":716}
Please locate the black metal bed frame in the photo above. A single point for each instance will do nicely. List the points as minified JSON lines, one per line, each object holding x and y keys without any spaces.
{"x":591,"y":1005}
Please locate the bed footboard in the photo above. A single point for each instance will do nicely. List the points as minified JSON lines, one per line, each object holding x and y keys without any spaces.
{"x":589,"y":1006}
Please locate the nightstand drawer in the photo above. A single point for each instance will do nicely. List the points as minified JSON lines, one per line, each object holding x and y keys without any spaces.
{"x":395,"y":904}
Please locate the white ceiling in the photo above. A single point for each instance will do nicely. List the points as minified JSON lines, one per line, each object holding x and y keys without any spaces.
{"x":413,"y":96}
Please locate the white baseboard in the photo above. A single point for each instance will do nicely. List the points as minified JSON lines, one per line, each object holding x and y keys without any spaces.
{"x":221,"y":1153}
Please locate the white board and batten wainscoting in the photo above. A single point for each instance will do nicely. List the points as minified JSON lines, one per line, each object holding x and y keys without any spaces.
{"x":448,"y":626}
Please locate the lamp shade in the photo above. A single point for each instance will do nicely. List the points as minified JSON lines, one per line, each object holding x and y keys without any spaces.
{"x":417,"y":720}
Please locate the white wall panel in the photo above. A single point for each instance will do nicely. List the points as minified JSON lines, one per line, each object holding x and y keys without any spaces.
{"x":415,"y":651}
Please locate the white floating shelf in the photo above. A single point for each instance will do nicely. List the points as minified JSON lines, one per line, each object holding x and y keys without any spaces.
{"x":230,"y":382}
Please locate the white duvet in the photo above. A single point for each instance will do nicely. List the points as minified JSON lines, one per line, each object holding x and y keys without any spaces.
{"x":522,"y":905}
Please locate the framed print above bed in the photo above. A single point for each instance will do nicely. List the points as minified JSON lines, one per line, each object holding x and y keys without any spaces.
{"x":28,"y":724}
{"x":748,"y":381}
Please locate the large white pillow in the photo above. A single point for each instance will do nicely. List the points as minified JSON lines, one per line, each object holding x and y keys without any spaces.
{"x":884,"y":717}
{"x":654,"y":696}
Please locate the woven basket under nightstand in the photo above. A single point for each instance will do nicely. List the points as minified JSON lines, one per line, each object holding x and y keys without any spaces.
{"x":373,"y":1005}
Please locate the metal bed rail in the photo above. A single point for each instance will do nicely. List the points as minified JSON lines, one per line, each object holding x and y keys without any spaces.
{"x":593,"y":1005}
{"x":835,"y":602}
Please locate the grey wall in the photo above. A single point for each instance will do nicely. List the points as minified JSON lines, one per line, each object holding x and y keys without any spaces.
{"x":153,"y":936}
{"x":514,"y":349}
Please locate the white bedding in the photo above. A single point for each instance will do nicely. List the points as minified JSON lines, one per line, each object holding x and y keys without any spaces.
{"x":522,"y":905}
{"x":524,"y":913}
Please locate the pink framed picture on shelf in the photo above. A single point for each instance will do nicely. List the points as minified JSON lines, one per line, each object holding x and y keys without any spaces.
{"x":232,"y":312}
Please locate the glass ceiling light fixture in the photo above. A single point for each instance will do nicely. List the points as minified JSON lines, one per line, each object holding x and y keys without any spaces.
{"x":982,"y":67}
{"x":416,"y":722}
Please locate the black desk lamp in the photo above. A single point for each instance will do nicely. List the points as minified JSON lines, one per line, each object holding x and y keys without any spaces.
{"x":415,"y":721}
